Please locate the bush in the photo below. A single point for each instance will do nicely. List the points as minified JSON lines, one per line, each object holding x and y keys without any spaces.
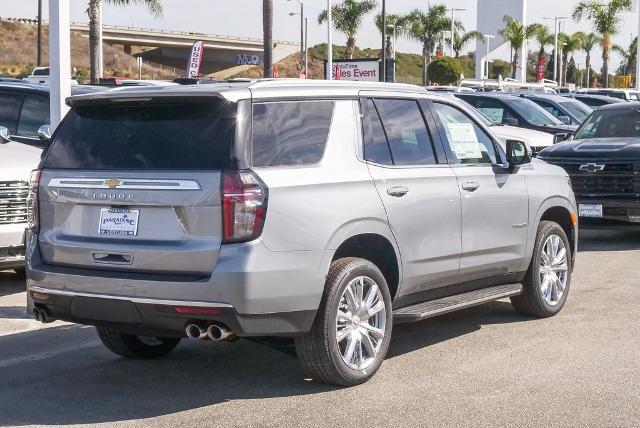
{"x":444,"y":70}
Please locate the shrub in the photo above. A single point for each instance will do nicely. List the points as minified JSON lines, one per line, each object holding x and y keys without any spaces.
{"x":444,"y":70}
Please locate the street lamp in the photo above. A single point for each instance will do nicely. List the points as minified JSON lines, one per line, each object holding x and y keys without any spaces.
{"x":487,"y":41}
{"x":453,"y":26}
{"x":395,"y":41}
{"x":304,"y":56}
{"x":329,"y":42}
{"x":637,"y":54}
{"x":556,"y":21}
{"x":301,"y":30}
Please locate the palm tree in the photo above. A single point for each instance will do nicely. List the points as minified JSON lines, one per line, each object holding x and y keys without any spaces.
{"x":570,"y":44}
{"x":267,"y":38}
{"x":154,"y":6}
{"x":628,"y":64}
{"x":589,"y":41}
{"x":515,"y":32}
{"x":606,"y":19}
{"x":426,"y":27}
{"x":460,"y":40}
{"x":347,"y":18}
{"x":544,"y":37}
{"x":394,"y":21}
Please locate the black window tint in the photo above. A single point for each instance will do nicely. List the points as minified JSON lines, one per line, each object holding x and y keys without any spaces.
{"x":34,"y":114}
{"x":494,"y":110}
{"x":9,"y":107}
{"x":376,"y":148}
{"x":468,"y":142}
{"x":406,"y":131}
{"x":159,"y":135}
{"x":290,"y":133}
{"x":549,"y":107}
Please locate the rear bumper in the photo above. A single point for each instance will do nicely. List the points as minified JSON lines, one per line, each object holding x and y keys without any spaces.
{"x":255,"y":291}
{"x":615,"y":211}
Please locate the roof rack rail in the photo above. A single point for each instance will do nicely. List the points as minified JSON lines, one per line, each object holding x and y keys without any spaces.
{"x":544,"y":86}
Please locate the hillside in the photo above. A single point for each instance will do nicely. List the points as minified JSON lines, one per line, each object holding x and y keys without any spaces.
{"x":408,"y":67}
{"x":18,"y":54}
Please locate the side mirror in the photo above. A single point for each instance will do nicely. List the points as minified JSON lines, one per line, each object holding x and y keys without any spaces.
{"x":518,"y":154}
{"x":44,"y":132}
{"x":560,"y":137}
{"x":565,"y":119}
{"x":510,"y":121}
{"x":5,"y":135}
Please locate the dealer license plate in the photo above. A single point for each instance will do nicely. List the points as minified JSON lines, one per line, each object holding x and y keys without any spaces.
{"x":118,"y":221}
{"x":590,"y":210}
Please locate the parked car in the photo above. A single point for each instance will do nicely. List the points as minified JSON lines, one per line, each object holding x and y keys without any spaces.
{"x":512,"y":110}
{"x":623,"y":94}
{"x":594,"y":101}
{"x":41,"y":75}
{"x":603,"y":161}
{"x":317,"y":210}
{"x":566,"y":110}
{"x":16,"y":163}
{"x":24,"y":109}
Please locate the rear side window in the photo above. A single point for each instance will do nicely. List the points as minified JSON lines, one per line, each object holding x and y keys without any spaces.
{"x":406,"y":132}
{"x":291,"y":132}
{"x":376,"y":148}
{"x":9,"y":106}
{"x":184,"y":135}
{"x":34,"y":114}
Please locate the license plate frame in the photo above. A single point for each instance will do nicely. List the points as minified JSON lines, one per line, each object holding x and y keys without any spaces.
{"x":590,"y":210}
{"x":118,"y":222}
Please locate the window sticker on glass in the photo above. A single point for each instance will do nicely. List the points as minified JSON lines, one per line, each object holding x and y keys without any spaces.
{"x":465,"y":140}
{"x":494,"y":114}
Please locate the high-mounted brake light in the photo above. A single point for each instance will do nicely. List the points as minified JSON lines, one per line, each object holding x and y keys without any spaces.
{"x":33,"y":209}
{"x":244,"y":206}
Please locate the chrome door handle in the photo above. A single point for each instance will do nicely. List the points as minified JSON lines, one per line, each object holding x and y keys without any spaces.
{"x":470,"y":186}
{"x":398,"y":191}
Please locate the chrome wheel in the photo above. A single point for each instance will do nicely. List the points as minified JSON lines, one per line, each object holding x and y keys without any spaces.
{"x":553,"y":269}
{"x":360,"y":323}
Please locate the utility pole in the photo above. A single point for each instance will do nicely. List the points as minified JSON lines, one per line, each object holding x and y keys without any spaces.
{"x":329,"y":42}
{"x":306,"y":49}
{"x":59,"y":59}
{"x":301,"y":3}
{"x":638,"y":54}
{"x":487,"y":41}
{"x":384,"y":42}
{"x":556,"y":21}
{"x":39,"y":56}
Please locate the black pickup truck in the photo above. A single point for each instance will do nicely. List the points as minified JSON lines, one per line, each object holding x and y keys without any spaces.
{"x":603,"y":162}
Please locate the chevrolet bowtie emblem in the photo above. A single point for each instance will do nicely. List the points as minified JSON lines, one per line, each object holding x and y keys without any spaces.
{"x":591,"y":167}
{"x":112,"y":183}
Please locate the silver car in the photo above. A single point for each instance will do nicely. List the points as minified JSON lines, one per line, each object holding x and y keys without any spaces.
{"x":321,"y":211}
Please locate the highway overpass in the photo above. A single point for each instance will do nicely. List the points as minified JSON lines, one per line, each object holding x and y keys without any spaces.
{"x":171,"y":48}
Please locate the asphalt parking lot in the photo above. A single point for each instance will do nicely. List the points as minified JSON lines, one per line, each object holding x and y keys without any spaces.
{"x":483,"y":366}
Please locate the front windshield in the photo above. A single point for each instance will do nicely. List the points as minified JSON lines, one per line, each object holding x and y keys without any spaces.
{"x":580,"y":110}
{"x":533,"y":113}
{"x":611,"y":123}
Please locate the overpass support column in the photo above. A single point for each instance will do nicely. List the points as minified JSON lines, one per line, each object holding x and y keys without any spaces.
{"x":127,"y":49}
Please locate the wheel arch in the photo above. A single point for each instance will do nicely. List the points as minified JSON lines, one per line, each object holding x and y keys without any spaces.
{"x":563,"y":212}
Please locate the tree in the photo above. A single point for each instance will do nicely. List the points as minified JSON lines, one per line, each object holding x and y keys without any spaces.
{"x":606,"y":19}
{"x":571,"y":43}
{"x":589,"y":40}
{"x":393,"y":21}
{"x":515,"y":32}
{"x":445,"y":70}
{"x":461,"y":39}
{"x":426,"y":27}
{"x":628,"y":64}
{"x":544,"y":38}
{"x":347,"y":19}
{"x":154,"y":6}
{"x":267,"y":38}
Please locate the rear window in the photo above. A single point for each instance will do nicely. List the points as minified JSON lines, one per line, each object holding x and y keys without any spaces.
{"x":290,"y":132}
{"x":184,"y":135}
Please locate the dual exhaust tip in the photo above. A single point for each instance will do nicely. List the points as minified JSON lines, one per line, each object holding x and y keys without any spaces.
{"x":42,"y":315}
{"x":214,"y":332}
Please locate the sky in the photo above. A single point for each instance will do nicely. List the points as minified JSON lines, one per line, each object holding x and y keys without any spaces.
{"x":244,"y":18}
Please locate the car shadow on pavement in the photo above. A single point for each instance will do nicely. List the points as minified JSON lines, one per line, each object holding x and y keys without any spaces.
{"x":87,"y":384}
{"x":11,"y":283}
{"x":609,"y":239}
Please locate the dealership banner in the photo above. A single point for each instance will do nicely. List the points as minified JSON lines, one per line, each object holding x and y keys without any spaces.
{"x":355,"y":69}
{"x":193,"y":66}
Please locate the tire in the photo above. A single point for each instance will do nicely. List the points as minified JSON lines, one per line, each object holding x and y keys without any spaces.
{"x":130,"y":346}
{"x":534,"y":300}
{"x":364,"y":349}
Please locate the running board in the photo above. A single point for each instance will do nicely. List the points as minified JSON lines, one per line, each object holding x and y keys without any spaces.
{"x":456,"y":302}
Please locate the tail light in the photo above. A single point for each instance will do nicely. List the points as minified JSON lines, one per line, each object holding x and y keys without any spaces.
{"x":244,"y":206}
{"x":33,"y":214}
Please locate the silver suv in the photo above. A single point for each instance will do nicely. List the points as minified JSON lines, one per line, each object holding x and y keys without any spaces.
{"x":320,"y":211}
